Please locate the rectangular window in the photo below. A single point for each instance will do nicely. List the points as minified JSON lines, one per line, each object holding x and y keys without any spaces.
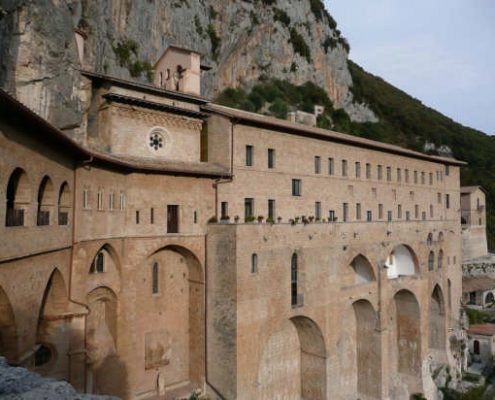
{"x":330,"y":166}
{"x":195,"y":217}
{"x":248,"y":208}
{"x":399,"y":211}
{"x":447,"y":200}
{"x":369,"y":216}
{"x":224,"y":210}
{"x":368,"y":171}
{"x":416,"y":211}
{"x":389,"y":216}
{"x":99,"y":200}
{"x":344,"y":167}
{"x":331,"y":216}
{"x":296,"y":187}
{"x":423,"y":215}
{"x":152,"y":215}
{"x":389,"y":174}
{"x":345,"y":212}
{"x":358,"y":169}
{"x":399,"y":175}
{"x":86,"y":199}
{"x":122,"y":201}
{"x":447,"y":170}
{"x":379,"y":172}
{"x":137,"y":217}
{"x":380,"y":211}
{"x":318,"y":210}
{"x":439,"y":198}
{"x":271,"y":158}
{"x":317,"y":165}
{"x":358,"y":211}
{"x":111,"y":201}
{"x":431,"y":210}
{"x":249,"y":155}
{"x":415,"y":177}
{"x":408,"y":215}
{"x":422,"y":178}
{"x":411,"y":195}
{"x":406,"y":175}
{"x":271,"y":209}
{"x":431,"y":178}
{"x":172,"y":219}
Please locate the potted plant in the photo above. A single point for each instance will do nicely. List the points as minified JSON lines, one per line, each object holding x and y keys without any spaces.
{"x":260,"y":219}
{"x":279,"y":219}
{"x":225,"y":219}
{"x":236,"y":219}
{"x":249,"y":218}
{"x":213,"y":220}
{"x":296,"y":220}
{"x":270,"y":221}
{"x":311,"y":219}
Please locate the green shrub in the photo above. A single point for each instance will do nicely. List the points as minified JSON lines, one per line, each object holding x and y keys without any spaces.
{"x":199,"y":28}
{"x":215,"y":41}
{"x":126,"y":52}
{"x":281,"y":16}
{"x":329,"y":43}
{"x":299,"y":44}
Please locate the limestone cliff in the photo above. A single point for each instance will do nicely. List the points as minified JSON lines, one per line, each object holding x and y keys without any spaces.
{"x":242,"y":40}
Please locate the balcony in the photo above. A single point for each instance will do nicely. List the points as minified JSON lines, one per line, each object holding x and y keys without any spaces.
{"x":15,"y":217}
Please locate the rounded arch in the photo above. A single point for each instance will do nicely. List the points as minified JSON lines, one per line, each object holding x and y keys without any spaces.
{"x":440,"y":237}
{"x":64,"y":204}
{"x":8,"y":328}
{"x":313,"y":358}
{"x":437,"y":319}
{"x":407,"y":333}
{"x":431,"y":261}
{"x":440,"y":259}
{"x":192,"y":260}
{"x":368,"y":350}
{"x":362,"y":270}
{"x":46,"y":200}
{"x":18,"y":197}
{"x":429,"y":239}
{"x":402,"y":261}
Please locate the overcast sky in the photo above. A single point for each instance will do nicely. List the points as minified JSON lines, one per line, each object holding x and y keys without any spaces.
{"x":439,"y":51}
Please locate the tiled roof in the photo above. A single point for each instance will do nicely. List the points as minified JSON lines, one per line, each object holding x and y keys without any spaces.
{"x":482,"y":329}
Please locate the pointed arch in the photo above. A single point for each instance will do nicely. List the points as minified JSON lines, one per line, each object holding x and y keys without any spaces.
{"x":46,"y":201}
{"x":55,"y":298}
{"x":313,"y":358}
{"x":18,"y":198}
{"x":437,"y":319}
{"x":8,"y":328}
{"x":105,"y":259}
{"x":362,"y":270}
{"x":402,"y":261}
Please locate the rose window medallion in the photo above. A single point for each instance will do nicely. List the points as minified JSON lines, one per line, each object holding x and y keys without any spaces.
{"x":156,"y":141}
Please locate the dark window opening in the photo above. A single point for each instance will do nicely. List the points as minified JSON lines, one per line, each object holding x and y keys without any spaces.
{"x":271,"y":209}
{"x":98,"y":264}
{"x":154,"y":278}
{"x":271,"y":158}
{"x":172,"y":219}
{"x":248,"y":208}
{"x":224,"y":210}
{"x":296,"y":187}
{"x":152,"y":215}
{"x":42,"y":356}
{"x":249,"y":155}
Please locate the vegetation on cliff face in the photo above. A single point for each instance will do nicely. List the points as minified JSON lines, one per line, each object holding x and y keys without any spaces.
{"x":404,"y":121}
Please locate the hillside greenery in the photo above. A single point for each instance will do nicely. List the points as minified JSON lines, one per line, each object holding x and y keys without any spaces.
{"x":404,"y":121}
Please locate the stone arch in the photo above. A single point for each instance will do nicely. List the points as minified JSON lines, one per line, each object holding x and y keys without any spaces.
{"x":359,"y":271}
{"x":51,"y":356}
{"x":175,"y":347}
{"x":431,"y":261}
{"x":402,"y":261}
{"x":64,"y":204}
{"x":18,"y":198}
{"x":368,"y":351}
{"x":101,"y":342}
{"x":110,"y":259}
{"x":407,"y":331}
{"x":437,"y":320}
{"x":8,"y":329}
{"x":46,"y":200}
{"x":429,"y":239}
{"x":104,"y":269}
{"x":440,"y":259}
{"x":313,"y":358}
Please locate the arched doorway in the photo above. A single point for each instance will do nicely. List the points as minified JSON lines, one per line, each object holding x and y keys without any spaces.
{"x":173,"y":297}
{"x":437,"y":320}
{"x":8,"y":330}
{"x":407,"y":334}
{"x":52,"y":346}
{"x":368,"y":351}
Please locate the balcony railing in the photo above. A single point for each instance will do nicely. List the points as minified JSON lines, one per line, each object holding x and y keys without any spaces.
{"x":63,"y":218}
{"x":43,"y":218}
{"x":15,"y":217}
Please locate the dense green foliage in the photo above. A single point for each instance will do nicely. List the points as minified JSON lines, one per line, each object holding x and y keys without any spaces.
{"x":215,"y":41}
{"x":299,"y":44}
{"x":126,"y":51}
{"x":404,"y":121}
{"x":477,"y":316}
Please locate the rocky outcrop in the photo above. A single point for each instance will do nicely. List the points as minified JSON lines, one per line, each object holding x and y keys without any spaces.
{"x":20,"y":384}
{"x":242,"y":40}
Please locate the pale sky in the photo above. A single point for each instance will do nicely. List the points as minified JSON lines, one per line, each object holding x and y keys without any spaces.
{"x":439,"y":51}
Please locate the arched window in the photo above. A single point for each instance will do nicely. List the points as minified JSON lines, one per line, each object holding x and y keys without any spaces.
{"x":440,"y":237}
{"x":431,"y":260}
{"x":440,"y":259}
{"x":476,"y":347}
{"x":429,"y":239}
{"x":18,"y":196}
{"x":489,"y":298}
{"x":42,"y":356}
{"x":254,"y":263}
{"x":154,"y":278}
{"x":63,"y":204}
{"x":98,"y":264}
{"x":293,"y":280}
{"x":401,"y":262}
{"x":45,"y":201}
